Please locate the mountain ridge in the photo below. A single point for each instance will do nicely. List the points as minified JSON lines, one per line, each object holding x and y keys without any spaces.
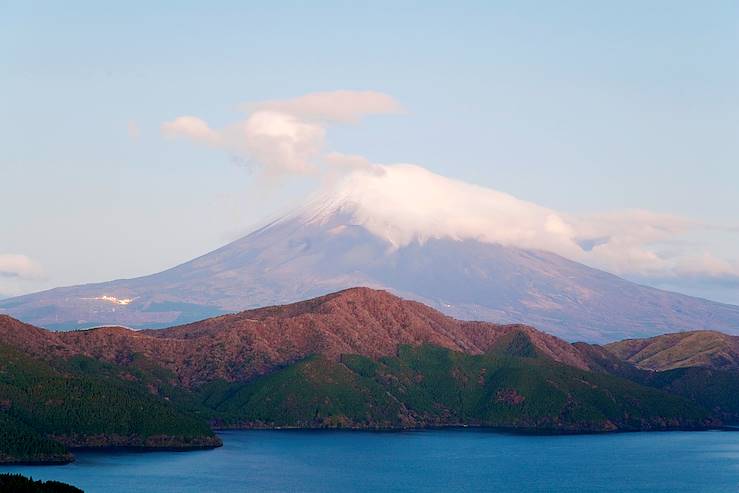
{"x":296,"y":258}
{"x":358,"y":321}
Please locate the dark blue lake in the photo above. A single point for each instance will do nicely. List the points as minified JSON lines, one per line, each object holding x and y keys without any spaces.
{"x":439,"y":460}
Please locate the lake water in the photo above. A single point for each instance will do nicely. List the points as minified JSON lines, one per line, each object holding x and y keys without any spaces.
{"x":438,"y":460}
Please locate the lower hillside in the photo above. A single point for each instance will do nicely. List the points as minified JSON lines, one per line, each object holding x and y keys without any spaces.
{"x":45,"y":409}
{"x":432,"y":386}
{"x":716,"y":390}
{"x":20,"y":443}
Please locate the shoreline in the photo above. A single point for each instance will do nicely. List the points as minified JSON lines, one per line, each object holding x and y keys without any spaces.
{"x":457,"y":426}
{"x":226,"y":431}
{"x":113,"y":448}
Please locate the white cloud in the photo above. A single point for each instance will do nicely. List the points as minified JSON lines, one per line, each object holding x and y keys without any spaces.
{"x":279,"y":141}
{"x":408,"y":203}
{"x":405,"y":203}
{"x":333,"y":106}
{"x":19,"y":266}
{"x":288,"y":136}
{"x":352,"y":162}
{"x":193,"y":128}
{"x":706,"y":265}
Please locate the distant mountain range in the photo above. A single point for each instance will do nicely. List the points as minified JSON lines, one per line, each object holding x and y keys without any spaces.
{"x":359,"y":358}
{"x":326,"y":247}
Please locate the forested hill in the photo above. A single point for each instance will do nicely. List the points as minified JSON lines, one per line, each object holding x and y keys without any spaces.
{"x":46,"y":407}
{"x":360,"y":358}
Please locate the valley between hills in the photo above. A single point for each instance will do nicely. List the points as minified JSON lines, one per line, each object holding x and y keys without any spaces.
{"x":356,"y":359}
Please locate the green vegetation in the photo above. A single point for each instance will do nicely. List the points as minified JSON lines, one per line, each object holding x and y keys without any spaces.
{"x":82,"y":402}
{"x":48,"y":406}
{"x":314,"y":393}
{"x":15,"y":483}
{"x":715,"y":390}
{"x":432,"y":386}
{"x":21,"y":443}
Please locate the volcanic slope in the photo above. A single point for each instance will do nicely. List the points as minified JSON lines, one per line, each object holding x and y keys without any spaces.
{"x":345,"y":240}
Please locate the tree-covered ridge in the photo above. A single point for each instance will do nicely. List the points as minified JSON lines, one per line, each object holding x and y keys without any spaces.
{"x":432,"y":386}
{"x":81,"y":402}
{"x":21,"y":443}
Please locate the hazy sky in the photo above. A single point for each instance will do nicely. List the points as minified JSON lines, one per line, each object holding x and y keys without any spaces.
{"x":578,"y":107}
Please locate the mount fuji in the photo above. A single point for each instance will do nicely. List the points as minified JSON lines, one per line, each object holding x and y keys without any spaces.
{"x":470,"y":252}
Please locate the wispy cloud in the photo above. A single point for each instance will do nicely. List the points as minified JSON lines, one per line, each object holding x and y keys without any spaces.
{"x":192,"y":128}
{"x":333,"y":106}
{"x":20,"y":274}
{"x":19,"y":266}
{"x":134,"y":131}
{"x":285,"y":136}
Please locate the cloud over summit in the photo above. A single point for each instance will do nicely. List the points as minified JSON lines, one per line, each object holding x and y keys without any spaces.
{"x":404,"y":203}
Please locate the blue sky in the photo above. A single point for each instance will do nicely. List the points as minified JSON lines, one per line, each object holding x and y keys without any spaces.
{"x":580,"y":107}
